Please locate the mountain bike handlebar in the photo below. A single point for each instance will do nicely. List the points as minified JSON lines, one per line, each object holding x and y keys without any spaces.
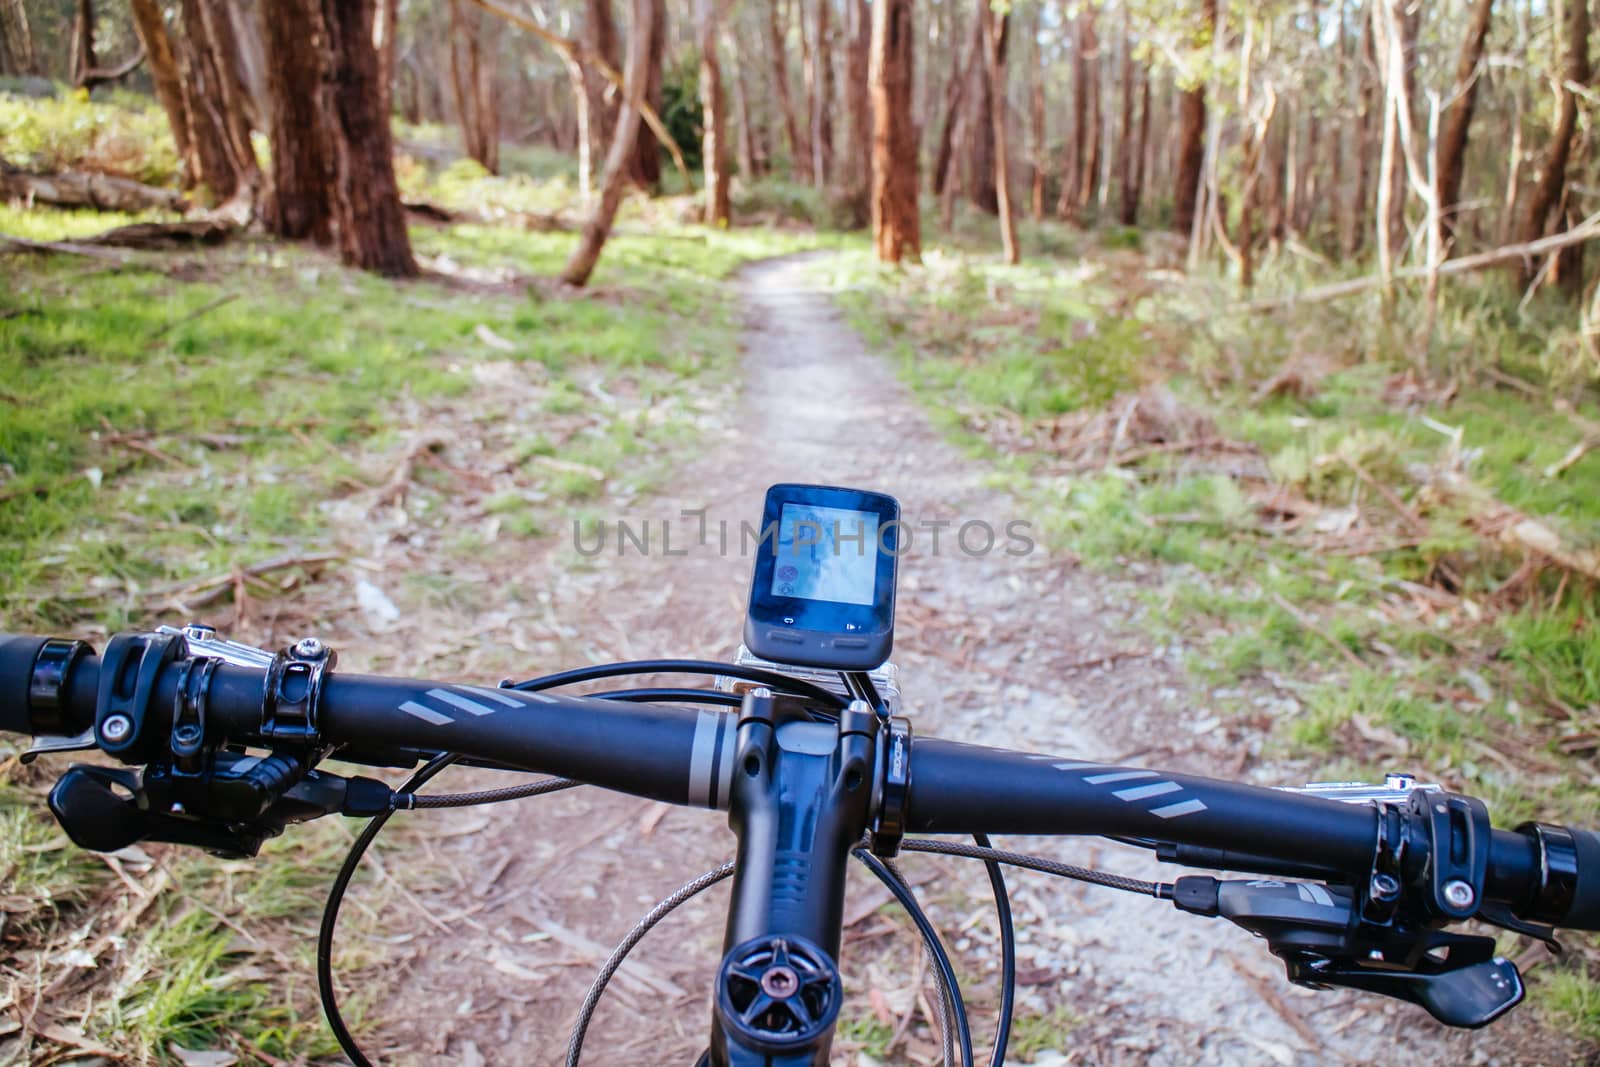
{"x":803,"y":791}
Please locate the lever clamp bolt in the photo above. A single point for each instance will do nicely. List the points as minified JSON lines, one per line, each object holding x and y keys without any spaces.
{"x":1459,"y":894}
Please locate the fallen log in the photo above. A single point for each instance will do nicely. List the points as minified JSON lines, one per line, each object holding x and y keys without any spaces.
{"x":139,"y":235}
{"x":1588,"y":230}
{"x":78,"y":188}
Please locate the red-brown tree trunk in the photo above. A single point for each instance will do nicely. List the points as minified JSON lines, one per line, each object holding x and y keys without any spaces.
{"x":16,"y":40}
{"x":83,"y":59}
{"x":600,"y":39}
{"x":979,"y":125}
{"x":218,"y":130}
{"x":624,"y":143}
{"x":714,"y":117}
{"x":1128,"y":209}
{"x":151,"y":27}
{"x":1191,"y":133}
{"x":1547,"y":191}
{"x":299,"y":207}
{"x":645,"y":169}
{"x":1457,"y":117}
{"x":370,"y":223}
{"x":896,"y":228}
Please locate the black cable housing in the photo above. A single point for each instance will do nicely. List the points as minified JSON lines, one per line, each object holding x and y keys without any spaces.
{"x":930,"y":936}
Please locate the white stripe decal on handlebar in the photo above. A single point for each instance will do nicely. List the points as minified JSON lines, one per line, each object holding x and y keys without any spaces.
{"x":1144,"y":792}
{"x":425,"y":713}
{"x":1120,"y":776}
{"x":511,"y":698}
{"x":456,"y":700}
{"x":701,"y":755}
{"x":1183,"y":807}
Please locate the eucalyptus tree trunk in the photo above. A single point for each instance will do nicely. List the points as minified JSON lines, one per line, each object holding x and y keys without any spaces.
{"x":642,"y":40}
{"x":151,"y":28}
{"x":714,"y":117}
{"x":1547,"y":191}
{"x":1191,"y":134}
{"x":1458,"y":114}
{"x":996,"y":30}
{"x":799,"y":150}
{"x":896,"y":227}
{"x":369,"y":220}
{"x":299,"y":206}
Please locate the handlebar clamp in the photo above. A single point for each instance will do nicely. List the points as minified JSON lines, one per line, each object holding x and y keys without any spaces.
{"x":894,"y":787}
{"x":294,"y":687}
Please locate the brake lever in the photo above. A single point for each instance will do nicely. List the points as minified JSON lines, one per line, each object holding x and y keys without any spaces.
{"x":103,"y":809}
{"x":96,"y":817}
{"x":45,"y":745}
{"x":1317,"y":931}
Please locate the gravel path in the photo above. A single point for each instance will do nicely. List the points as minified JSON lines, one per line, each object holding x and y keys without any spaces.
{"x":1019,"y":651}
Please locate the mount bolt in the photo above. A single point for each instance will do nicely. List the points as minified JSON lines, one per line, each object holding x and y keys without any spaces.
{"x":1385,"y":886}
{"x":309,"y":647}
{"x":1459,"y":894}
{"x":116,"y":728}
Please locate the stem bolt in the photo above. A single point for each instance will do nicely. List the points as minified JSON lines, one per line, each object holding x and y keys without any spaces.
{"x":308,"y":647}
{"x":1459,"y":894}
{"x":116,"y":728}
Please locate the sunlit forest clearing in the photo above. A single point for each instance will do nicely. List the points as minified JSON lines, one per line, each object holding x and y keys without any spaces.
{"x":1287,"y":314}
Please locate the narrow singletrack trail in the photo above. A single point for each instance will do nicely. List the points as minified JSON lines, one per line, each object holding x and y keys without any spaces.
{"x":490,"y":958}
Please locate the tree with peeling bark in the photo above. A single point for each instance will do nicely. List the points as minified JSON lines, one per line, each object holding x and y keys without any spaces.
{"x":1191,"y":130}
{"x":1552,"y":180}
{"x":713,"y":115}
{"x":799,"y":147}
{"x":996,"y":27}
{"x":1458,"y":114}
{"x":645,"y":164}
{"x":471,"y":80}
{"x":151,"y":27}
{"x":641,"y":43}
{"x":299,"y":206}
{"x":368,"y":218}
{"x":857,"y":169}
{"x":896,"y":227}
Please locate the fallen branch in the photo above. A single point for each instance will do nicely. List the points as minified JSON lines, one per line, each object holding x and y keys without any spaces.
{"x":1310,"y":625}
{"x":102,"y":75}
{"x":196,"y":594}
{"x":575,"y":52}
{"x":77,"y":188}
{"x":1588,"y":230}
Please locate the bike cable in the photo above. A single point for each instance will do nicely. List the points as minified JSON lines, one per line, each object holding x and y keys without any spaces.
{"x":405,"y":799}
{"x":1008,"y":953}
{"x":1158,"y":890}
{"x":591,"y":1001}
{"x":950,"y":987}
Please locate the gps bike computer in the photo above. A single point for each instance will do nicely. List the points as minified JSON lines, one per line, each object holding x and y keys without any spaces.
{"x":822,"y":590}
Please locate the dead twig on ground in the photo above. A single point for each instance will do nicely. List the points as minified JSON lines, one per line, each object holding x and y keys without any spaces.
{"x":1311,"y":626}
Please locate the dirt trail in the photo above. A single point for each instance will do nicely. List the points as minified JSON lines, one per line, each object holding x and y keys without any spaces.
{"x":991,"y":648}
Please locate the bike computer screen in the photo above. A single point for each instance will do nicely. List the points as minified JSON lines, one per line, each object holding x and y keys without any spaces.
{"x":822,"y":592}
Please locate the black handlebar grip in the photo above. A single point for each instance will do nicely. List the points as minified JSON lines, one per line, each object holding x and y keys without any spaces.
{"x":17,"y":654}
{"x":1584,"y":912}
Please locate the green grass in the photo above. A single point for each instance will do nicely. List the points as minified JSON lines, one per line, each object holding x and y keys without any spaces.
{"x":126,"y":135}
{"x":1492,"y":689}
{"x":161,"y":429}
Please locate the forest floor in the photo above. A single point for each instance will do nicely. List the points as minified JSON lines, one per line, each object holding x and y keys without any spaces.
{"x":1278,"y":548}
